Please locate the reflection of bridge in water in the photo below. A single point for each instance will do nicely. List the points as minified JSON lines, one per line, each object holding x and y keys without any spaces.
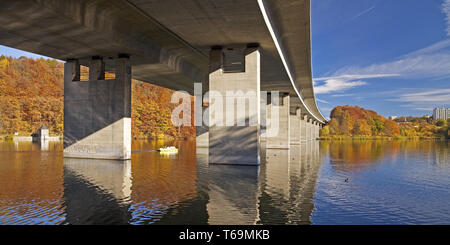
{"x":190,"y":191}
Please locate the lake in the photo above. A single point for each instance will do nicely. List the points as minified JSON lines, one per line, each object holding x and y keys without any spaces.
{"x":326,"y":182}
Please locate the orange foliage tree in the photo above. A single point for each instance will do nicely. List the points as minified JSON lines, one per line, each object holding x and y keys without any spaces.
{"x":356,"y":121}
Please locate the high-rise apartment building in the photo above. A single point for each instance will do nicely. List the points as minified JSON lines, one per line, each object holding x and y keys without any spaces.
{"x":441,"y":113}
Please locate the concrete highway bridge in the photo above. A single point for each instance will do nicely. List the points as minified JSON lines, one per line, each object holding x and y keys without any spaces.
{"x":247,"y":45}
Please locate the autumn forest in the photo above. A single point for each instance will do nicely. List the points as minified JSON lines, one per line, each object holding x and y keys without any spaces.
{"x":32,"y":95}
{"x":354,"y":121}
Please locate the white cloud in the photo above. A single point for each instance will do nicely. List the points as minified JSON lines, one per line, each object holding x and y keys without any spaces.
{"x":436,"y":96}
{"x":423,"y":108}
{"x":353,"y":77}
{"x":432,"y":61}
{"x":446,"y":11}
{"x":424,"y":100}
{"x":342,"y":83}
{"x":429,"y":62}
{"x":323,"y":101}
{"x":336,"y":85}
{"x":430,"y":49}
{"x":342,"y":95}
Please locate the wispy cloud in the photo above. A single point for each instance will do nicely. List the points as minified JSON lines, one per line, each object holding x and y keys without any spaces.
{"x":429,"y":49}
{"x":322,"y":101}
{"x":436,"y":96}
{"x":429,"y":62}
{"x":342,"y":95}
{"x":423,"y":108}
{"x":446,"y":11}
{"x":361,"y":13}
{"x":424,"y":100}
{"x":353,"y":77}
{"x":340,"y":83}
{"x":336,"y":85}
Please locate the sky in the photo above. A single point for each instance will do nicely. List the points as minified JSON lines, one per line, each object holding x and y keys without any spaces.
{"x":392,"y":57}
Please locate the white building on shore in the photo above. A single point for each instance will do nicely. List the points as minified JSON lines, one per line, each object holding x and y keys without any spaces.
{"x":43,"y":134}
{"x":441,"y":113}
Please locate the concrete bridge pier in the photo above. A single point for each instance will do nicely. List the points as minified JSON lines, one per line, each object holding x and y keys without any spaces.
{"x":311,"y":129}
{"x":278,"y":136}
{"x":319,"y":129}
{"x":295,"y":126}
{"x":303,"y":127}
{"x":234,"y":84}
{"x":316,"y":130}
{"x":97,"y":113}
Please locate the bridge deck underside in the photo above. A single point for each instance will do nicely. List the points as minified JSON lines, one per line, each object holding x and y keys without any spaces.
{"x":168,"y":41}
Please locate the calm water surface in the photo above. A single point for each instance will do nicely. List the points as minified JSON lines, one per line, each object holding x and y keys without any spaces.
{"x":388,"y":182}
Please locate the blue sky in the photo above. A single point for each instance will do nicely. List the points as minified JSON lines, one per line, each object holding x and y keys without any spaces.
{"x":389,"y":56}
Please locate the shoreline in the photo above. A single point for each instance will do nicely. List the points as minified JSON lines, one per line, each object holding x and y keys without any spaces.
{"x":341,"y":138}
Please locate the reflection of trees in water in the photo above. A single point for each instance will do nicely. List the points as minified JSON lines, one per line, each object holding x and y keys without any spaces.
{"x":30,"y":184}
{"x":361,"y":154}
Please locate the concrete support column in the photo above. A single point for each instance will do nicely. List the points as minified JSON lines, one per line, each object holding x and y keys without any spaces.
{"x":97,"y":113}
{"x":309,"y":128}
{"x":279,"y":137}
{"x":317,"y":130}
{"x":234,"y":106}
{"x":303,"y":128}
{"x":295,"y":127}
{"x":314,"y":130}
{"x":320,"y":128}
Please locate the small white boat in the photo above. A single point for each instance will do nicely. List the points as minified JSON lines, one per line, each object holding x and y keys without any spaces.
{"x":168,"y":149}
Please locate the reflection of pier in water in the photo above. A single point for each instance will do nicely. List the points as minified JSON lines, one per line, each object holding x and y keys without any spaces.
{"x":97,"y":191}
{"x":233,"y":195}
{"x":280,"y":191}
{"x":288,"y":185}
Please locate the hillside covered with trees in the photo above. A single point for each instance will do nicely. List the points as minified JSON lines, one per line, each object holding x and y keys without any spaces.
{"x":356,"y":121}
{"x":32,"y":94}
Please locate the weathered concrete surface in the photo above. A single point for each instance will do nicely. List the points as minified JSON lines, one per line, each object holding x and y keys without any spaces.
{"x":303,"y":127}
{"x":168,"y":41}
{"x":317,"y":130}
{"x":97,"y":113}
{"x":230,"y":143}
{"x":294,"y":128}
{"x":310,"y":129}
{"x":279,"y":137}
